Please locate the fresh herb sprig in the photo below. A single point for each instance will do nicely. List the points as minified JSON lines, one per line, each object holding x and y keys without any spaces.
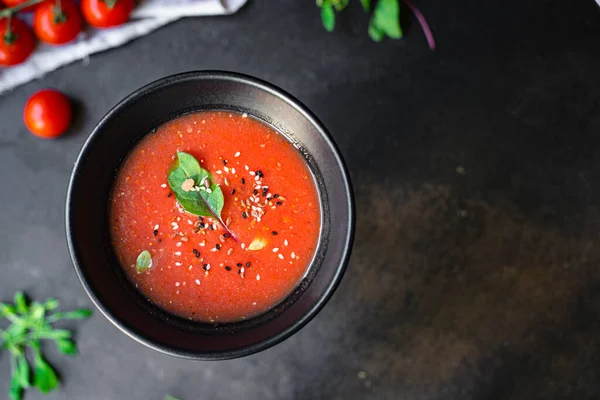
{"x":385,"y":19}
{"x":195,"y":190}
{"x":31,"y":323}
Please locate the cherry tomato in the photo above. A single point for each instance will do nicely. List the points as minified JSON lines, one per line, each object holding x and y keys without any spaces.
{"x":106,"y":13}
{"x":13,"y":3}
{"x":57,"y":22}
{"x":47,"y":114}
{"x":17,"y":44}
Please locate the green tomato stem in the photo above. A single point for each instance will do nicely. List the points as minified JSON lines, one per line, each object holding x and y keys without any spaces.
{"x":7,"y":12}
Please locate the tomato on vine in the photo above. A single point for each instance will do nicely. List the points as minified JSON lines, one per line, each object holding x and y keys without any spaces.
{"x":57,"y":21}
{"x":14,"y":3}
{"x":106,"y":13}
{"x":16,"y":41}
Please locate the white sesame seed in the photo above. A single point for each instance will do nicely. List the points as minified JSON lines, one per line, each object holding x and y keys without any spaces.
{"x":253,"y":303}
{"x":190,"y":222}
{"x":164,"y":185}
{"x":244,"y":115}
{"x":280,"y":256}
{"x":243,"y":246}
{"x":226,"y":169}
{"x":285,"y":242}
{"x":230,"y":251}
{"x":242,"y":270}
{"x":256,"y":178}
{"x":177,"y":284}
{"x":197,"y":281}
{"x":257,"y":277}
{"x":275,"y":250}
{"x":156,"y":227}
{"x":226,"y":181}
{"x":257,"y":187}
{"x":190,"y":267}
{"x":213,"y":249}
{"x":177,"y":253}
{"x":175,"y":225}
{"x":219,"y":172}
{"x":237,"y":154}
{"x":265,"y":187}
{"x":178,"y":264}
{"x":178,"y":244}
{"x":293,"y":255}
{"x":203,"y":243}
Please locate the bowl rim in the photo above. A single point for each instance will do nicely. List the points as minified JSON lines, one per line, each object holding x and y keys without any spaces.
{"x":305,"y":112}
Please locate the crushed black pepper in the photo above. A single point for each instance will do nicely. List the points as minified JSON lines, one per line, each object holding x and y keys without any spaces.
{"x":155,"y":232}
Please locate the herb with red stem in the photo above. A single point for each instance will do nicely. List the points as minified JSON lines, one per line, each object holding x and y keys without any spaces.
{"x":385,"y":20}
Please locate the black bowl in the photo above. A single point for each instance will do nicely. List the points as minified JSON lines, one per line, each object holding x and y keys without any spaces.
{"x":88,"y":200}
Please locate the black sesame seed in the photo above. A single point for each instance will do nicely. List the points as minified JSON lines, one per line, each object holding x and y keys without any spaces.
{"x":243,"y":181}
{"x":239,"y":264}
{"x":212,"y":228}
{"x":279,"y":203}
{"x":239,"y":271}
{"x":259,"y":173}
{"x":227,"y":235}
{"x":269,"y":198}
{"x":228,"y":268}
{"x":159,"y":240}
{"x":170,"y":194}
{"x":255,"y":192}
{"x":155,"y":232}
{"x":244,"y":215}
{"x":248,"y":264}
{"x":218,"y":246}
{"x":274,"y":233}
{"x":276,"y":195}
{"x":224,"y":162}
{"x":233,"y":191}
{"x":201,"y":225}
{"x":205,"y":267}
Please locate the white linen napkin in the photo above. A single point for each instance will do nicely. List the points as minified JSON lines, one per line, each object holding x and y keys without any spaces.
{"x":148,"y":16}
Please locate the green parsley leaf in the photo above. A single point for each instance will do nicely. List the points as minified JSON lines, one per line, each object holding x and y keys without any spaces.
{"x":16,"y":390}
{"x":143,"y":262}
{"x":328,"y":17}
{"x":44,"y":377}
{"x":21,"y":303}
{"x":82,"y":313}
{"x":66,"y":346}
{"x":366,"y":4}
{"x":22,"y":370}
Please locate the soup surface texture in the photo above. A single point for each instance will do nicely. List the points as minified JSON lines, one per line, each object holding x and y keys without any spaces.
{"x":198,"y":271}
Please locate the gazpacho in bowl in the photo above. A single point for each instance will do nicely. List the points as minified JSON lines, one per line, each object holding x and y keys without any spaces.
{"x":209,"y":215}
{"x":215,"y":216}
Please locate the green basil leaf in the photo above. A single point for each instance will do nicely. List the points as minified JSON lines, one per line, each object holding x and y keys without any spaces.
{"x":207,"y":202}
{"x":366,"y":4}
{"x":22,"y":371}
{"x":386,"y":19}
{"x":143,"y":262}
{"x":21,"y":303}
{"x":51,"y":304}
{"x":66,"y":346}
{"x":328,"y":17}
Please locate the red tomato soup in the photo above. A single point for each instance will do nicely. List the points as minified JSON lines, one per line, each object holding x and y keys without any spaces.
{"x":198,"y":270}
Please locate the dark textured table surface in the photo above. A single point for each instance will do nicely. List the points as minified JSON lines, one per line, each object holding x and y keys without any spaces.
{"x":476,"y":266}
